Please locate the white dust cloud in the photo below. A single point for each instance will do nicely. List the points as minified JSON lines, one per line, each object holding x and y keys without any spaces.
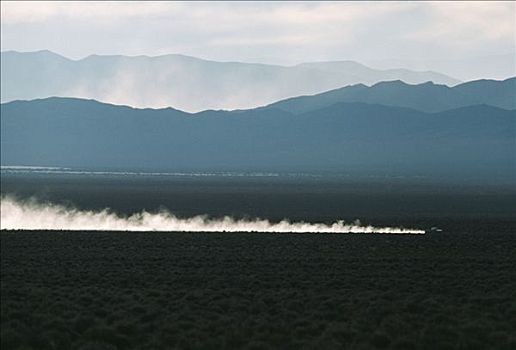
{"x":32,"y":215}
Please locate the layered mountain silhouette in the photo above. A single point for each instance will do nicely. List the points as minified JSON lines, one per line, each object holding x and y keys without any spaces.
{"x":426,"y":97}
{"x":187,"y":83}
{"x":473,"y":142}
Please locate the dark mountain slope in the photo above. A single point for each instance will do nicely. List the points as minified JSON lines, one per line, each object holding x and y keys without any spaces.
{"x":352,"y":138}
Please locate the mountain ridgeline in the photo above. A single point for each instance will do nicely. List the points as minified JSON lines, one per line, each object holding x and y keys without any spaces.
{"x":187,"y":83}
{"x":427,"y":97}
{"x":474,"y":142}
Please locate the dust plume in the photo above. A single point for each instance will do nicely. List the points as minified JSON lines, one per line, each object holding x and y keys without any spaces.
{"x":33,"y":215}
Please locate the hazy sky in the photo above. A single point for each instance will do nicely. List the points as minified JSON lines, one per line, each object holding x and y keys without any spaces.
{"x":268,"y":32}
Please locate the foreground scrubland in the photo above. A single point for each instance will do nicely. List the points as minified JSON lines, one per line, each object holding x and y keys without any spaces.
{"x":87,"y":290}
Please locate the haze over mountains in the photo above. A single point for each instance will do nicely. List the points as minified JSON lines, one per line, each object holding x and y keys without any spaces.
{"x":184,"y":82}
{"x":388,"y":129}
{"x":474,"y":142}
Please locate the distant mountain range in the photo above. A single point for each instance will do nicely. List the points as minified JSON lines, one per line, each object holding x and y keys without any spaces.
{"x":473,"y":142}
{"x":494,"y":66}
{"x":426,"y":97}
{"x":187,"y":83}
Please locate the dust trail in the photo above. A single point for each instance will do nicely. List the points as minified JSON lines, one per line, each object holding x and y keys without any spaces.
{"x":33,"y":215}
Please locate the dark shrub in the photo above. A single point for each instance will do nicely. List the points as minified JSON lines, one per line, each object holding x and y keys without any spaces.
{"x":10,"y":339}
{"x":381,"y":340}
